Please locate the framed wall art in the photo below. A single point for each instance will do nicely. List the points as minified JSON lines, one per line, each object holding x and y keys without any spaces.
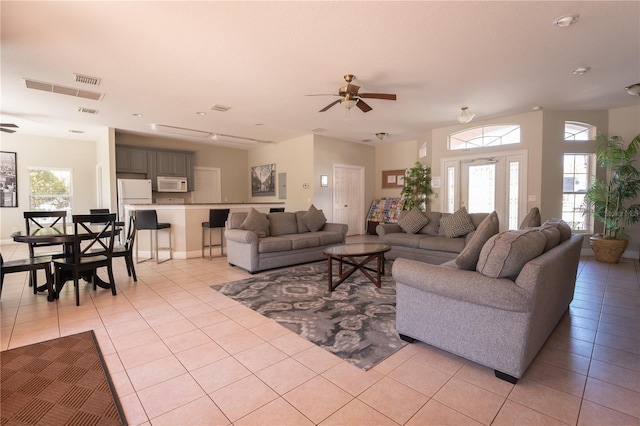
{"x":8,"y":179}
{"x":263,"y":180}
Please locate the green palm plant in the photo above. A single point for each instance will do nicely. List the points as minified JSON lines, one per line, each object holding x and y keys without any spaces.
{"x":608,"y":199}
{"x":417,"y":187}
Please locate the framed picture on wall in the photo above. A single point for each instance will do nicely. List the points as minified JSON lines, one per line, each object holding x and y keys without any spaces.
{"x":8,"y":179}
{"x":263,"y":180}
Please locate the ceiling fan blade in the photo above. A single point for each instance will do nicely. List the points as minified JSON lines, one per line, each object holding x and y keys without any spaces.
{"x":8,"y":125}
{"x":7,"y":130}
{"x":352,"y":88}
{"x":363,"y":106}
{"x":330,"y":105}
{"x":387,"y":96}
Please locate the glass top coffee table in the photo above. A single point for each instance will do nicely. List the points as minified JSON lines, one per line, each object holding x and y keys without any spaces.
{"x":347,"y":253}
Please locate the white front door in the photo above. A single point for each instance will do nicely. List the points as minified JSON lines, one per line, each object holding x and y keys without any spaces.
{"x":348,"y":197}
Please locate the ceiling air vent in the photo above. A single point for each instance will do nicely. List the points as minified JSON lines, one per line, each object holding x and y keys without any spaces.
{"x":62,"y":90}
{"x":86,"y":79}
{"x":87,"y":110}
{"x":220,"y":108}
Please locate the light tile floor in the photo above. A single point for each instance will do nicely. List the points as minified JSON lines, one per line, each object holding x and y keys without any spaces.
{"x":180,"y":353}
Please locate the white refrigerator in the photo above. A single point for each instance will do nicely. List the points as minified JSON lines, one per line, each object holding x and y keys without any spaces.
{"x":133,"y":191}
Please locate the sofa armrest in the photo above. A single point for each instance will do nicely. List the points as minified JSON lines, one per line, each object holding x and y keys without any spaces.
{"x":468,"y":286}
{"x":336,"y":227}
{"x":241,"y":236}
{"x":388,"y":228}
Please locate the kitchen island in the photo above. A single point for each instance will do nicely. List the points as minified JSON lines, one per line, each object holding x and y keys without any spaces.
{"x":186,"y":225}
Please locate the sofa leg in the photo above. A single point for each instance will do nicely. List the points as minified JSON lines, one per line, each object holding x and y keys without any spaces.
{"x":506,"y":377}
{"x":406,"y":338}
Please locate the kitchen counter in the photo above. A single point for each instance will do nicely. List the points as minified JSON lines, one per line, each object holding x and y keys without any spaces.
{"x":186,"y":224}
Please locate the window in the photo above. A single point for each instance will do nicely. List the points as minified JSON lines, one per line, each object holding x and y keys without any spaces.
{"x":50,"y":189}
{"x":479,"y":137}
{"x":576,"y":172}
{"x":575,"y":131}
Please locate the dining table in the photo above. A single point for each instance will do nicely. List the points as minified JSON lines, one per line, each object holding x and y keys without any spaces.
{"x":65,"y":236}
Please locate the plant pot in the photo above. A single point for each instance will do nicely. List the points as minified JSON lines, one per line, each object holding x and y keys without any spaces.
{"x":608,"y":250}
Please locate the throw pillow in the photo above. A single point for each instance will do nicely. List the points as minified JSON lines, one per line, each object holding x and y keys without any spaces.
{"x":504,"y":255}
{"x":412,"y":221}
{"x":532,"y":219}
{"x":468,"y":257}
{"x":563,"y":227}
{"x":256,"y":222}
{"x":314,"y":219}
{"x":457,"y":224}
{"x":552,"y":234}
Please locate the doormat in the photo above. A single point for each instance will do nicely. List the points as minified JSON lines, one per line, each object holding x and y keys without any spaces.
{"x":63,"y":381}
{"x":357,"y":321}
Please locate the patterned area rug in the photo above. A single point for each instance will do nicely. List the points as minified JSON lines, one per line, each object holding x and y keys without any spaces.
{"x":357,"y":321}
{"x":62,"y":381}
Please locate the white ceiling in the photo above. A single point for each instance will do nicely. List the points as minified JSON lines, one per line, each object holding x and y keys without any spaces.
{"x":169,"y":60}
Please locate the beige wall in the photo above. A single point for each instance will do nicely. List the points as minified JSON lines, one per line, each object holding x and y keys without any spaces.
{"x":232,"y":163}
{"x":38,"y":151}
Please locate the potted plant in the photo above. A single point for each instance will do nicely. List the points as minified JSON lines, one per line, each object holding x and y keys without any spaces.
{"x":417,"y":187}
{"x":613,"y":199}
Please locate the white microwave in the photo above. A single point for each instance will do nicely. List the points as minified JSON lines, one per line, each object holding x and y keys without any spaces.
{"x":172,"y":184}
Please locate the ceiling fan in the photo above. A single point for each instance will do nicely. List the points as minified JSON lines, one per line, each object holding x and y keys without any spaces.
{"x":350,"y":97}
{"x":8,"y":127}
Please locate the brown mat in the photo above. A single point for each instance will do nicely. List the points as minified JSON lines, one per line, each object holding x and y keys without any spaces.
{"x":62,"y":381}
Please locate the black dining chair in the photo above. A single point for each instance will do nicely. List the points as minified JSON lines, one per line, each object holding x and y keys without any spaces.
{"x":36,"y":220}
{"x":147,"y":220}
{"x":126,"y":250}
{"x":31,"y":265}
{"x":217,"y":219}
{"x":92,"y":249}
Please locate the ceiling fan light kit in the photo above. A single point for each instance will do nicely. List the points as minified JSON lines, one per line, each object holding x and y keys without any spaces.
{"x":634,"y":89}
{"x":465,"y":116}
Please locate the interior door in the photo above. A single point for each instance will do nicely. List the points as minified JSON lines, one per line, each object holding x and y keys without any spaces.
{"x":207,"y":185}
{"x":348,"y":197}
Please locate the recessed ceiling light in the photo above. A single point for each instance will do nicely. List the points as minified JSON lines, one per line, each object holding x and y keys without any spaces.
{"x":75,"y":131}
{"x":137,"y":114}
{"x":566,"y":20}
{"x":201,"y":113}
{"x":537,"y":108}
{"x":581,"y":70}
{"x":259,"y":124}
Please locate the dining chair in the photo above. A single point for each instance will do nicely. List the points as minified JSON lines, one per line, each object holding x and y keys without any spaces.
{"x":217,"y":219}
{"x":126,"y":250}
{"x":147,"y":220}
{"x":35,"y":220}
{"x":92,"y":249}
{"x":30,"y":264}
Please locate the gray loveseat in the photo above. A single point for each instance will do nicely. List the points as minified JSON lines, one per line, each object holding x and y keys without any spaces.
{"x":286,"y":241}
{"x":499,"y":322}
{"x":429,"y":244}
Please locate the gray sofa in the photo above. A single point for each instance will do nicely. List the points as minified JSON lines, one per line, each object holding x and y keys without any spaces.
{"x":429,"y":244}
{"x":288,"y":241}
{"x":499,"y":322}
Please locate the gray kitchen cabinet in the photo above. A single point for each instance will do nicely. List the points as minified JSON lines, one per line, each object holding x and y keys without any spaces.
{"x":131,"y":160}
{"x":170,"y":163}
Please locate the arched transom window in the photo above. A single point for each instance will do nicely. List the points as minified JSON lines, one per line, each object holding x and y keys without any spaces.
{"x":485,"y":136}
{"x":576,"y":131}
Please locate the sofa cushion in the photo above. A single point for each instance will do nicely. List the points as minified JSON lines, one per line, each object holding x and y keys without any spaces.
{"x":504,"y":254}
{"x":301,"y":226}
{"x":468,"y":257}
{"x":256,"y":222}
{"x":329,"y":237}
{"x":282,"y":223}
{"x":403,"y":239}
{"x":433,"y":227}
{"x":532,"y":219}
{"x":563,"y":227}
{"x":412,"y":221}
{"x":457,"y":224}
{"x":441,"y":243}
{"x":552,"y":234}
{"x":314,"y":219}
{"x":304,"y":240}
{"x":273,"y":244}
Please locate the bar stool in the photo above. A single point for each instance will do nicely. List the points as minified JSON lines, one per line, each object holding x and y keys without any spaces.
{"x":147,"y":220}
{"x":276,"y":209}
{"x":217,"y":219}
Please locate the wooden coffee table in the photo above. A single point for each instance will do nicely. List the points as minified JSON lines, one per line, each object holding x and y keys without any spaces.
{"x":347,"y":253}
